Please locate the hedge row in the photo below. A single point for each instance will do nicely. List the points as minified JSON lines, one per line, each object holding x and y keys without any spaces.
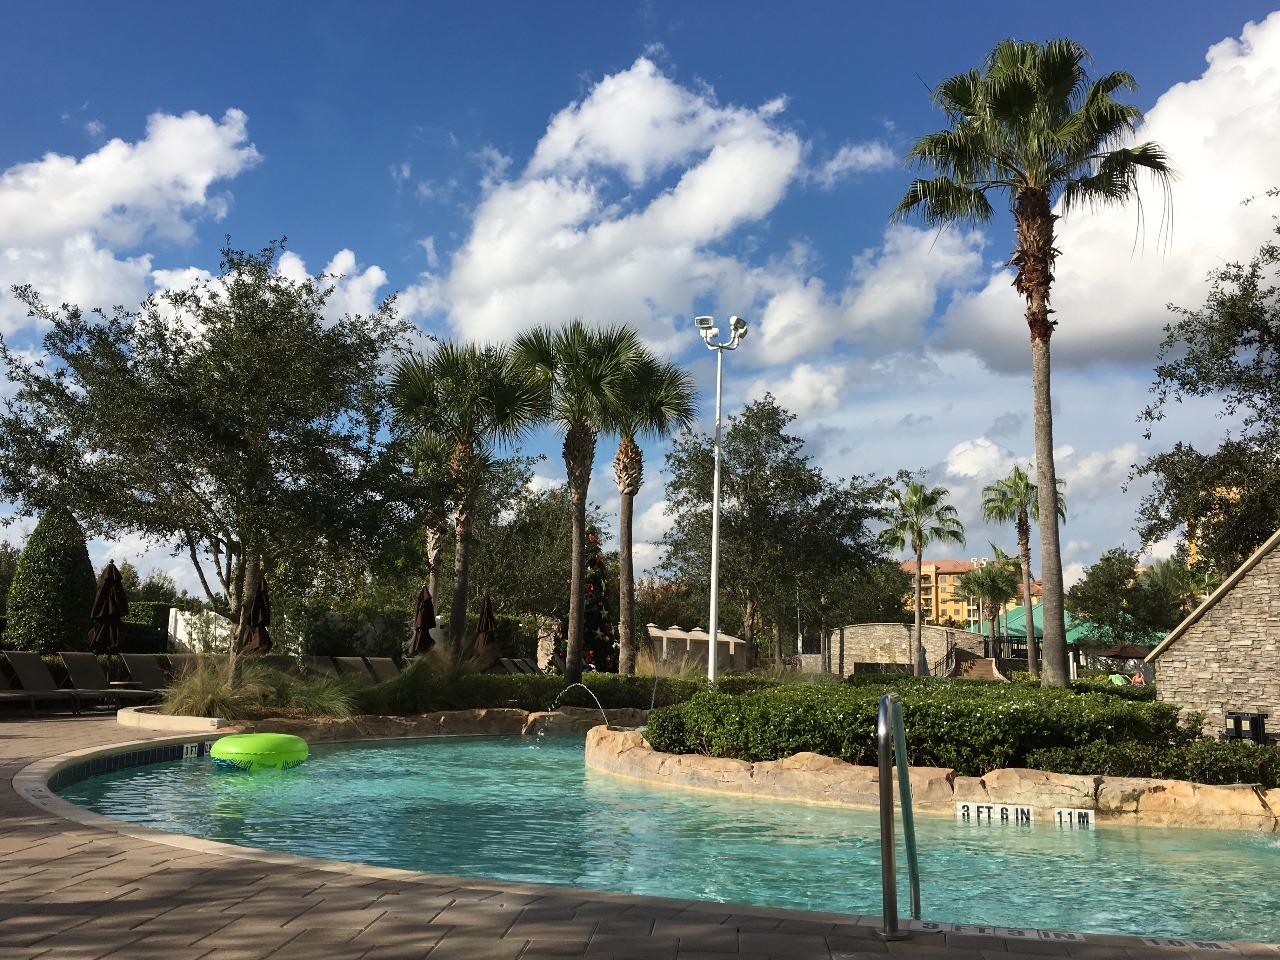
{"x":968,"y":726}
{"x":423,"y":690}
{"x":1204,"y":761}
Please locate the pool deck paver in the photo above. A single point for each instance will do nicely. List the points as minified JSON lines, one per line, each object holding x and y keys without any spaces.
{"x":75,"y":891}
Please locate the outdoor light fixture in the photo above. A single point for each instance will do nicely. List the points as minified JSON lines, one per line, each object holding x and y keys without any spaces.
{"x":710,"y":334}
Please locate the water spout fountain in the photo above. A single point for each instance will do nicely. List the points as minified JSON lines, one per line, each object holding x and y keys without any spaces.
{"x":561,"y":694}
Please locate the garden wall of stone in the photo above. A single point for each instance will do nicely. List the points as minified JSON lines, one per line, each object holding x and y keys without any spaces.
{"x":812,"y":778}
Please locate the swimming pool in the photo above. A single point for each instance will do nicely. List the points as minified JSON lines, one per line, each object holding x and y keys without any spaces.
{"x":526,"y":809}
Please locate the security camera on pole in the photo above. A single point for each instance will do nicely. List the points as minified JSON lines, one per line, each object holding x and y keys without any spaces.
{"x":737,"y":330}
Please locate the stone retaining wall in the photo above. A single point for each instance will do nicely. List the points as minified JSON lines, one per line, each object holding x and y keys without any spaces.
{"x":812,"y":778}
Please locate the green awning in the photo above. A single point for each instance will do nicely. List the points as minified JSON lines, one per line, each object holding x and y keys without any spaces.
{"x":1016,"y":628}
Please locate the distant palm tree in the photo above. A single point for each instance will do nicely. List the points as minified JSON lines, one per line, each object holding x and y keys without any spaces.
{"x":1031,"y":125}
{"x":582,"y":374}
{"x":463,"y":399}
{"x":919,"y":516}
{"x":657,"y":400}
{"x":1015,"y":500}
{"x":991,"y":585}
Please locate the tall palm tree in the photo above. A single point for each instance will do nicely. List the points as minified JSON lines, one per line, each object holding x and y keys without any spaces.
{"x":919,"y":516}
{"x":582,"y":374}
{"x":1015,"y":500}
{"x":657,"y":400}
{"x":1033,"y":126}
{"x":463,"y":399}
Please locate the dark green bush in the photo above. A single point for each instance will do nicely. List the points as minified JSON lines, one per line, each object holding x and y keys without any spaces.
{"x":1203,"y":761}
{"x":53,"y":588}
{"x":1130,"y":691}
{"x":969,"y":726}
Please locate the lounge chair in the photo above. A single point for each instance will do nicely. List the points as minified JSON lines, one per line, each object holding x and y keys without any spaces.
{"x":383,"y":668}
{"x":355,"y":666}
{"x":319,"y":665}
{"x":526,"y":665}
{"x":9,"y":695}
{"x":36,"y":678}
{"x":146,"y":671}
{"x":87,"y":675}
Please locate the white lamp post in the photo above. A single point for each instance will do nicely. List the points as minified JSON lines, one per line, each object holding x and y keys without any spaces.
{"x":737,"y":330}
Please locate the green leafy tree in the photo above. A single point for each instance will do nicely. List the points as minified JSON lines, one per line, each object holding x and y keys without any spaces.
{"x":1015,"y":499}
{"x":656,"y":401}
{"x":583,"y":374}
{"x":789,"y":536}
{"x":231,"y":417}
{"x":1120,"y":607}
{"x":522,"y":550}
{"x":9,"y":555}
{"x":918,"y":516}
{"x":1225,"y":503}
{"x":1032,"y":126}
{"x":53,"y":588}
{"x":464,"y":399}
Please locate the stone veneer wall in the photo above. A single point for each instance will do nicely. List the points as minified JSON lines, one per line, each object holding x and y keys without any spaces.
{"x":810,"y":777}
{"x":1230,"y":658}
{"x":891,"y":643}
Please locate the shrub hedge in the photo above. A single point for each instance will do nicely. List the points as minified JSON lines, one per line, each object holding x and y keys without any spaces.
{"x":1203,"y":761}
{"x":52,"y":590}
{"x":969,"y":726}
{"x":426,"y":687}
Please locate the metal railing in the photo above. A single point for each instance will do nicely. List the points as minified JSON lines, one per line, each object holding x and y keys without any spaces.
{"x":893,"y":744}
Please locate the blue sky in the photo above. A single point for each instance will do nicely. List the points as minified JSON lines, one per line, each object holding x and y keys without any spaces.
{"x":501,"y":165}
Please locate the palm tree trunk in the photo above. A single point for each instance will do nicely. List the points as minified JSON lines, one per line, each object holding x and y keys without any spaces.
{"x":1024,"y":558}
{"x":461,"y":570}
{"x":749,"y":632}
{"x":628,"y":474}
{"x":433,"y":542}
{"x":1055,"y":633}
{"x":918,"y":635}
{"x":626,"y":587}
{"x":1033,"y":218}
{"x":579,"y":454}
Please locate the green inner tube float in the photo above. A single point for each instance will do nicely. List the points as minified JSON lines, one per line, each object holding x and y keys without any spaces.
{"x":259,"y":751}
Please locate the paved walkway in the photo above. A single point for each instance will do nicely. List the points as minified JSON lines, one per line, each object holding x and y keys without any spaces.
{"x":76,"y":891}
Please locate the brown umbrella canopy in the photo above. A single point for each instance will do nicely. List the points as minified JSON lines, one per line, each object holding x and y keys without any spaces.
{"x":257,"y":640}
{"x":424,"y":621}
{"x":110,"y":607}
{"x":486,"y":646}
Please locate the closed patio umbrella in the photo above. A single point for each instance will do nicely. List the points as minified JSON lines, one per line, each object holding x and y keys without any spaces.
{"x":257,"y":640}
{"x":424,"y":621}
{"x":486,"y":650}
{"x":110,"y":607}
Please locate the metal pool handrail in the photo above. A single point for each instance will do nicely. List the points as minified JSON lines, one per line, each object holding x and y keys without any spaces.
{"x":893,"y":743}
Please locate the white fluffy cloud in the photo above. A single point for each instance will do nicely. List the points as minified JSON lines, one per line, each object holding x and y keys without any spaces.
{"x":66,"y":223}
{"x":557,"y":241}
{"x":808,"y":389}
{"x":854,"y":158}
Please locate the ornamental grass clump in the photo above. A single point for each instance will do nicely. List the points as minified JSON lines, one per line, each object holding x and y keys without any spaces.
{"x":246,"y":689}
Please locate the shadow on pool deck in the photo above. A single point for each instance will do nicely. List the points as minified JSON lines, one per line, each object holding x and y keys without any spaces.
{"x":76,"y":890}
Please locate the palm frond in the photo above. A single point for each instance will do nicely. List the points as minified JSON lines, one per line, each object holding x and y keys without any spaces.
{"x":942,"y":201}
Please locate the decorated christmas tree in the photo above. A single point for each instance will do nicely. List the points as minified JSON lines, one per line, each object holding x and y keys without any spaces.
{"x":599,"y":633}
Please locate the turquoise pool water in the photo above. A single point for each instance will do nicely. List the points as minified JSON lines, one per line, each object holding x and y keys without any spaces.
{"x":522,"y":808}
